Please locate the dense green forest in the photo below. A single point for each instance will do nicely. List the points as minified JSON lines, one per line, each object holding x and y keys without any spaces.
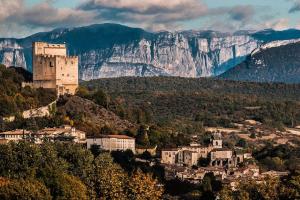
{"x":269,"y":91}
{"x":195,"y":102}
{"x":15,"y":99}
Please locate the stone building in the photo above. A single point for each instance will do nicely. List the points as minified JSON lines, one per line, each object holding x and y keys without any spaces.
{"x":63,"y":133}
{"x":188,"y":157}
{"x":216,"y":140}
{"x":113,"y":143}
{"x":185,"y":155}
{"x":169,"y":156}
{"x":53,"y":69}
{"x":222,"y":157}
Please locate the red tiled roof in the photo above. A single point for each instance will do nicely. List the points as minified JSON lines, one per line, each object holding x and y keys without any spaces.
{"x":114,"y":136}
{"x":120,"y":136}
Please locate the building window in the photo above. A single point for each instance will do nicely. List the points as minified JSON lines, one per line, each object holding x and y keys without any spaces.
{"x":51,"y":64}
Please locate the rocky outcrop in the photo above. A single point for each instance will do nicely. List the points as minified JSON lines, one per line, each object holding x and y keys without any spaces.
{"x":11,"y":53}
{"x":90,"y":113}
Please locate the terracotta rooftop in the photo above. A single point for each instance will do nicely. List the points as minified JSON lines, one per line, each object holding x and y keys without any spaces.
{"x":15,"y":132}
{"x":120,"y":136}
{"x":113,"y":136}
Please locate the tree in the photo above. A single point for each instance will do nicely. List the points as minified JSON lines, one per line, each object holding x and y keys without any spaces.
{"x":101,"y":98}
{"x":142,"y":136}
{"x":106,"y":130}
{"x":143,"y":187}
{"x":19,"y":160}
{"x":64,"y":186}
{"x":253,"y":135}
{"x":226,"y":193}
{"x":80,"y":162}
{"x":95,"y":149}
{"x":69,"y":187}
{"x":2,"y":124}
{"x":125,"y":159}
{"x":291,"y":189}
{"x":82,"y":92}
{"x":109,"y":179}
{"x":24,"y":189}
{"x":146,"y":155}
{"x":268,"y":189}
{"x":242,"y":195}
{"x":242,"y":143}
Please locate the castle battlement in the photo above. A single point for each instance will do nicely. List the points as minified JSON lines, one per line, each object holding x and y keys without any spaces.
{"x":57,"y":56}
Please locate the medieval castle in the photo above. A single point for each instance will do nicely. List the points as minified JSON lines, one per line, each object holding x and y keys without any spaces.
{"x":53,"y":69}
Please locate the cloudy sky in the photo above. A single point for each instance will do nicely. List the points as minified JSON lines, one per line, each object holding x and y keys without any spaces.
{"x":19,"y":18}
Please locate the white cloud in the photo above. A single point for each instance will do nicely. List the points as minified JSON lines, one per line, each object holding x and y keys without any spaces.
{"x":44,"y":14}
{"x":151,"y":13}
{"x":9,"y":7}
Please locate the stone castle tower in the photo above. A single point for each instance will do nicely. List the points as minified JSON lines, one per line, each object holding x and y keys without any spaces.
{"x":53,"y":69}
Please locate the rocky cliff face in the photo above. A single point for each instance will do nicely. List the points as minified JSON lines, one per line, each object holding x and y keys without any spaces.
{"x":170,"y":54}
{"x":111,"y":50}
{"x":11,"y":53}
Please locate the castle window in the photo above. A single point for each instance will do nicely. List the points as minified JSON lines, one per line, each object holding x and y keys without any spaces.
{"x":51,"y":64}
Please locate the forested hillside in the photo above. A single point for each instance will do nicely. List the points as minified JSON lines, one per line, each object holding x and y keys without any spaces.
{"x":211,"y":101}
{"x":269,"y":91}
{"x":14,"y":98}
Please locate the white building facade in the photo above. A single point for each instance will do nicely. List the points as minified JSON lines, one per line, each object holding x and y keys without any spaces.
{"x":113,"y":143}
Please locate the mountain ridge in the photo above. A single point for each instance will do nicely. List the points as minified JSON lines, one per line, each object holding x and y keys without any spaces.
{"x":114,"y":50}
{"x":270,"y":63}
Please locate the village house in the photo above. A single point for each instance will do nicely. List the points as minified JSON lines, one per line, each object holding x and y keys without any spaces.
{"x":189,"y":155}
{"x":223,"y":162}
{"x":15,"y":135}
{"x":222,"y":157}
{"x":169,"y":156}
{"x":113,"y":143}
{"x":64,"y":133}
{"x":186,"y":155}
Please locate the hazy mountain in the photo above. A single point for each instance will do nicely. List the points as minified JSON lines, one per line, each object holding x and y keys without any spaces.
{"x":111,"y":50}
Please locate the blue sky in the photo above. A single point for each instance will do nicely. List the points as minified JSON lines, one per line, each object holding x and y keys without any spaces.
{"x":19,"y":18}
